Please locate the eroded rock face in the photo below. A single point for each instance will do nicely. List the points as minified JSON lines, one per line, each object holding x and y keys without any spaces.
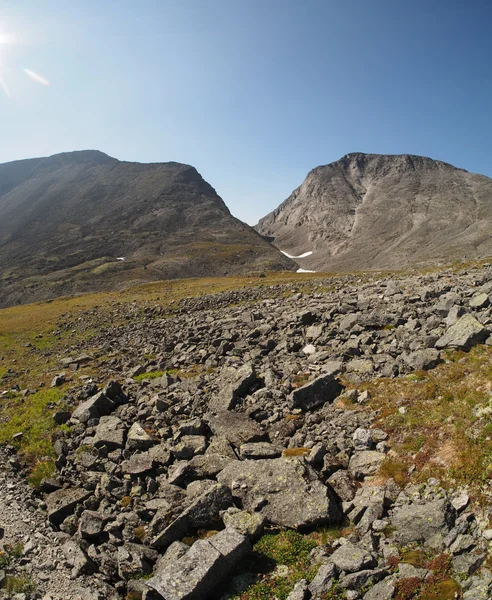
{"x":286,"y":492}
{"x":353,"y":214}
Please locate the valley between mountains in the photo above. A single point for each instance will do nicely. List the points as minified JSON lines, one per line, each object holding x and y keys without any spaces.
{"x":286,"y":436}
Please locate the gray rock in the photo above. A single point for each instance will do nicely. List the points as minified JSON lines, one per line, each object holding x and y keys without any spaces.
{"x":244,"y":522}
{"x":135,"y":559}
{"x":93,"y":408}
{"x":258,"y":450}
{"x":238,"y":383}
{"x":324,"y":388}
{"x":204,"y":512}
{"x":422,"y":360}
{"x":138,"y":438}
{"x":110,"y":433}
{"x":236,"y":428}
{"x":422,"y":522}
{"x":464,"y":334}
{"x":201,"y":570}
{"x":362,"y":439}
{"x":62,"y":503}
{"x":384,"y":590}
{"x":365,"y":463}
{"x":285,"y":492}
{"x":362,"y":579}
{"x":350,"y":558}
{"x":323,"y":581}
{"x":91,"y":524}
{"x":300,"y":591}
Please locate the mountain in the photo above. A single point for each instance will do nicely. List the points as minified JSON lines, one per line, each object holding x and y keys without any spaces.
{"x":369,"y":211}
{"x":83,"y":221}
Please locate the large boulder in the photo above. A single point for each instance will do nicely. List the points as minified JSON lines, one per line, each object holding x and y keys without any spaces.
{"x":62,"y":503}
{"x":365,"y":463}
{"x":110,"y":433}
{"x":421,"y":523}
{"x":94,"y":407}
{"x":197,"y":574}
{"x":464,"y":334}
{"x":236,"y":384}
{"x":204,"y":513}
{"x":286,"y":492}
{"x":324,"y":388}
{"x":236,"y":428}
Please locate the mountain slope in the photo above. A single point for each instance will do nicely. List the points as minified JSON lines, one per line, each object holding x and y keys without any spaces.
{"x":85,"y":221}
{"x":368,"y":211}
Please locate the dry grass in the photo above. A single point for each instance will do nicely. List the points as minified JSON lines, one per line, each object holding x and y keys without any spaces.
{"x":439,"y":431}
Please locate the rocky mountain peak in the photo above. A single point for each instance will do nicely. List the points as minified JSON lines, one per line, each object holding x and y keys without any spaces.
{"x":374,"y":211}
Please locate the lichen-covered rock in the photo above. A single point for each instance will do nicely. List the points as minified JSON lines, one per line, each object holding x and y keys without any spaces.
{"x":286,"y":492}
{"x":423,"y":522}
{"x":351,"y":558}
{"x":464,"y":334}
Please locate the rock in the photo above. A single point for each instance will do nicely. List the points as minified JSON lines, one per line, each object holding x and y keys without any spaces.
{"x":365,"y":463}
{"x":464,"y":334}
{"x":324,"y":388}
{"x":58,"y":380}
{"x":94,"y":407}
{"x":384,"y":590}
{"x":460,"y":502}
{"x":300,"y":591}
{"x":91,"y":524}
{"x":77,"y":558}
{"x":362,"y":439}
{"x":363,"y":579}
{"x":204,"y":513}
{"x":201,"y":570}
{"x":285,"y":492}
{"x":138,"y":464}
{"x":188,"y":446}
{"x":110,"y":433}
{"x":422,"y":360}
{"x":135,"y":559}
{"x":350,"y":558}
{"x":62,"y":503}
{"x":138,"y":438}
{"x":343,"y":485}
{"x":421,"y":523}
{"x":244,"y":522}
{"x":236,"y":428}
{"x":323,"y":581}
{"x":467,"y":564}
{"x":238,"y":383}
{"x":479,"y":300}
{"x":258,"y":450}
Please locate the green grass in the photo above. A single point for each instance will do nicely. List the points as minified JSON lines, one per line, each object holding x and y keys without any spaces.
{"x":150,"y":375}
{"x":289,"y":550}
{"x":33,"y":417}
{"x":43,"y":469}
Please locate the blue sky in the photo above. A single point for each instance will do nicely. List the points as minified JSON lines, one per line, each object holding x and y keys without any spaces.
{"x":253,"y":93}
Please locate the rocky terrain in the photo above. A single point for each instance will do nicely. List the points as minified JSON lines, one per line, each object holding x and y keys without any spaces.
{"x":235,"y":446}
{"x":369,"y":211}
{"x":83,"y":221}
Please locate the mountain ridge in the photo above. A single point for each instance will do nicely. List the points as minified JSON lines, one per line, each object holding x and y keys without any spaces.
{"x":85,"y":221}
{"x":418,"y":208}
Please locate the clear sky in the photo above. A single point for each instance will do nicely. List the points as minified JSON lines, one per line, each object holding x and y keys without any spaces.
{"x":253,"y":93}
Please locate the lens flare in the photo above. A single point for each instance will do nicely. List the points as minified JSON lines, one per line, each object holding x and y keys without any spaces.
{"x":35,"y":77}
{"x":4,"y":87}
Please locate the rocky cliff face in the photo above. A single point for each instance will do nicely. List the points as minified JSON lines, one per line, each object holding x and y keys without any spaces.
{"x":368,"y":211}
{"x":85,"y":221}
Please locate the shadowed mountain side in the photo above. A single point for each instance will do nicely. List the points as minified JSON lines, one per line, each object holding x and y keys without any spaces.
{"x":368,"y":211}
{"x":84,"y":221}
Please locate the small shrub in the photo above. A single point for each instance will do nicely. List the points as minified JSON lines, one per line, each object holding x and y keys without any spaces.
{"x":286,"y":548}
{"x":407,"y":588}
{"x":19,"y":585}
{"x":42,"y":470}
{"x":395,"y":469}
{"x":151,"y":375}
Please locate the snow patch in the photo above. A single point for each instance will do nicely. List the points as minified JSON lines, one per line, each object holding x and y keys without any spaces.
{"x":305,"y":271}
{"x":121,"y":258}
{"x":300,"y":256}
